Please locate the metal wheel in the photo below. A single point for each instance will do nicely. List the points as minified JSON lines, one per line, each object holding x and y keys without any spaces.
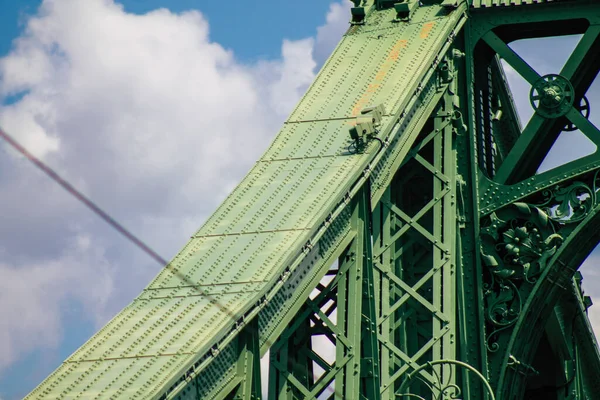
{"x":584,"y":109}
{"x":552,"y":96}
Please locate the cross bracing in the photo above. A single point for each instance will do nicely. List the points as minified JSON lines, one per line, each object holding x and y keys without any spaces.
{"x":405,"y":177}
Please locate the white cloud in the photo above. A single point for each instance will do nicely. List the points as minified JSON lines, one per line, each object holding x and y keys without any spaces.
{"x":150,"y":119}
{"x":33,"y":297}
{"x":29,"y":117}
{"x":328,"y":35}
{"x":295,"y":75}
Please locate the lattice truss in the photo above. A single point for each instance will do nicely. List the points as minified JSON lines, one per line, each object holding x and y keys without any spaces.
{"x":400,"y":271}
{"x":415,"y":260}
{"x":409,"y":247}
{"x":532,"y":224}
{"x":332,"y":312}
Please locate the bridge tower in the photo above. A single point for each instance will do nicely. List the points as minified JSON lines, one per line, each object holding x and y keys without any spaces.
{"x":395,"y":240}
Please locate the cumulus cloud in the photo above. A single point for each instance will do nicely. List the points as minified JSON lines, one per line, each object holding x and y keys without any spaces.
{"x":294,"y":75}
{"x":328,"y":35}
{"x":148,"y":117}
{"x":32,"y":296}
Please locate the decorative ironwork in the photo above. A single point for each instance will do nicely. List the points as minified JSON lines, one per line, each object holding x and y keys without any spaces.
{"x":522,"y":243}
{"x":552,"y":96}
{"x":516,"y":248}
{"x":443,"y":388}
{"x":519,"y":239}
{"x":569,"y":204}
{"x":517,"y":244}
{"x":521,"y":367}
{"x":374,"y":249}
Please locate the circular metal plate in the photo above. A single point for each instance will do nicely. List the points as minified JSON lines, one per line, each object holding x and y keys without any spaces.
{"x":552,"y":96}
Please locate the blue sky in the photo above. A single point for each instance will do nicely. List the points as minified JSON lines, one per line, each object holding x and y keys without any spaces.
{"x":12,"y":19}
{"x":256,"y":59}
{"x":269,"y":22}
{"x":121,"y":111}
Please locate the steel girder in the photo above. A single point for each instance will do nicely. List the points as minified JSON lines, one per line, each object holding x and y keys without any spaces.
{"x":504,"y":303}
{"x":441,"y":265}
{"x":536,"y":229}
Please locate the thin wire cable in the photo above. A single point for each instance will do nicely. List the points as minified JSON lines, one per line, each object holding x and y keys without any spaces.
{"x":108,"y":219}
{"x":118,"y":227}
{"x":81,"y":197}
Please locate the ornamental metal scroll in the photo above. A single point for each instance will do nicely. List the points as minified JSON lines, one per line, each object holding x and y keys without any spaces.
{"x":445,"y":388}
{"x":566,"y":205}
{"x":518,"y":241}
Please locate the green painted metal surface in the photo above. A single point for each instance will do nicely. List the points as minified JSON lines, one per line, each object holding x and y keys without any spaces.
{"x":509,"y":3}
{"x":420,"y":243}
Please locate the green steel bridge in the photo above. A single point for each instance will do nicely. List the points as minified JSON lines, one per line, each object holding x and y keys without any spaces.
{"x":397,"y":221}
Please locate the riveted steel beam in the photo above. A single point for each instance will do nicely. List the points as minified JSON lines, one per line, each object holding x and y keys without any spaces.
{"x":429,"y":261}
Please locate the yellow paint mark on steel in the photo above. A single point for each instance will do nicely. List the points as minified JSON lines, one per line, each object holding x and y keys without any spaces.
{"x":427,"y":28}
{"x":374,"y":86}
